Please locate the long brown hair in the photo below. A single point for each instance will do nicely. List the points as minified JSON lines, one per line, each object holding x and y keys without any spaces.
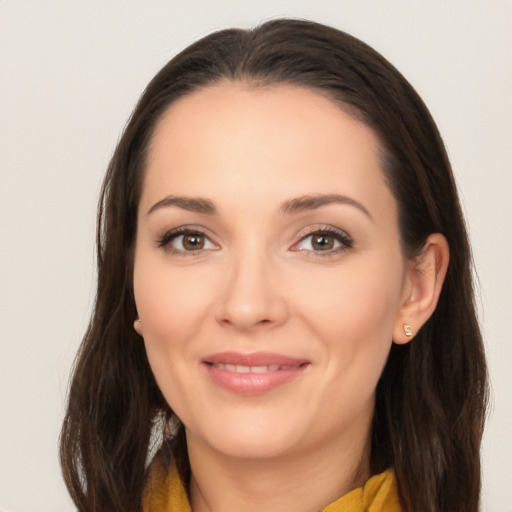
{"x":432,"y":394}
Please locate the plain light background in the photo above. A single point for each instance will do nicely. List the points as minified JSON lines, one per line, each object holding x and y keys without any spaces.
{"x":70,"y":74}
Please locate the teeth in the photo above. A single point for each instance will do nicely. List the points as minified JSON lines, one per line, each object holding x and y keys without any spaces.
{"x":259,"y":369}
{"x":250,"y":369}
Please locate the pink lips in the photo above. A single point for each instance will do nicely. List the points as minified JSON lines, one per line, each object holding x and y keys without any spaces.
{"x":252,"y":374}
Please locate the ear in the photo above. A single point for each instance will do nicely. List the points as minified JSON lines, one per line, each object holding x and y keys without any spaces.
{"x":137,"y":325}
{"x":422,"y":287}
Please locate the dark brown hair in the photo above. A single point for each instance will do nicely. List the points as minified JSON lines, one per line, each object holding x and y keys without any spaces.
{"x":432,"y":394}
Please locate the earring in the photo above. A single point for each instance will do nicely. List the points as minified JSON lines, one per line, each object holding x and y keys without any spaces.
{"x":407,"y":330}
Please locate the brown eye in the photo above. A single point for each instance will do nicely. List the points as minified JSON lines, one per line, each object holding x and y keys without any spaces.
{"x":322,"y":242}
{"x":193,"y":242}
{"x":326,"y":241}
{"x":186,"y":241}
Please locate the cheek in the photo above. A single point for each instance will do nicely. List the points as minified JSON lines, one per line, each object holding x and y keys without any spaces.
{"x":169,"y":308}
{"x":352,"y":310}
{"x":352,"y":292}
{"x":171,"y":305}
{"x":354,"y":320}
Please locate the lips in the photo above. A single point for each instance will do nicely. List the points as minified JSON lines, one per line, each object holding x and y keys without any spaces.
{"x":253,"y":374}
{"x":239,"y":368}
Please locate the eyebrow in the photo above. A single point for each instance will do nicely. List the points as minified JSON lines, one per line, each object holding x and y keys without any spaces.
{"x":294,"y":205}
{"x":312,"y":202}
{"x":191,"y":204}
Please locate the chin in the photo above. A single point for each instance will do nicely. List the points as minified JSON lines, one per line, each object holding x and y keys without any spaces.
{"x":265,"y":446}
{"x":251,"y":437}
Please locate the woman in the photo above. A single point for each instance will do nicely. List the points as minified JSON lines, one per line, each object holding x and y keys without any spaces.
{"x":284,"y":307}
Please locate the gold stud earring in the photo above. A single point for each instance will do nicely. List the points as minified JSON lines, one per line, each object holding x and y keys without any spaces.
{"x":407,"y":330}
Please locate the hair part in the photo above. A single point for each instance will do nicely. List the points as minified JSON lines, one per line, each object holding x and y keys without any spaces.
{"x":431,"y":397}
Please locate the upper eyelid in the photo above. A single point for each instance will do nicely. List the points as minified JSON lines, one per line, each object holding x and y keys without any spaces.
{"x":311,"y":230}
{"x":170,"y":234}
{"x":343,"y":237}
{"x":186,"y":228}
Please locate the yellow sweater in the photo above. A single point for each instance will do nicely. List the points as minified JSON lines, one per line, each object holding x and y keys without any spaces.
{"x":165,"y":492}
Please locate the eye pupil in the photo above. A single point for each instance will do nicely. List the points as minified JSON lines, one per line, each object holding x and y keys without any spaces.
{"x":193,"y":241}
{"x":323,"y":242}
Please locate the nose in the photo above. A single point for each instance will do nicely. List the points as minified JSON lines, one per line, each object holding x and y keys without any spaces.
{"x":252,"y":296}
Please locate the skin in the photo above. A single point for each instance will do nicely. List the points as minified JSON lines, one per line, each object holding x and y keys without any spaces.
{"x":259,"y":283}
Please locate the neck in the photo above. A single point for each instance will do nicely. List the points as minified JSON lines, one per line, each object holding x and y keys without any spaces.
{"x":307,"y":481}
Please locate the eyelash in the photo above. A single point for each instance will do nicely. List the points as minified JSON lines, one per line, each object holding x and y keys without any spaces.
{"x":168,"y":237}
{"x":339,"y":236}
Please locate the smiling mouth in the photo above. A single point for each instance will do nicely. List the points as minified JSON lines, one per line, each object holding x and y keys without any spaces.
{"x":253,"y":374}
{"x":238,"y":368}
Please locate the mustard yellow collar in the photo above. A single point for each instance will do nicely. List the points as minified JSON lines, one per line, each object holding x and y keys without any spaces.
{"x":165,"y":492}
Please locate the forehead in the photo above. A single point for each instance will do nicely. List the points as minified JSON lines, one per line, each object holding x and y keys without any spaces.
{"x":280,"y":102}
{"x":277,"y":141}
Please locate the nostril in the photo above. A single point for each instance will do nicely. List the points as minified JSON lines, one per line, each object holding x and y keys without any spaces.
{"x":248,"y":305}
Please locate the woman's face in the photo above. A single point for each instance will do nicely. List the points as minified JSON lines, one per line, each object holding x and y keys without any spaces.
{"x":268,"y":271}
